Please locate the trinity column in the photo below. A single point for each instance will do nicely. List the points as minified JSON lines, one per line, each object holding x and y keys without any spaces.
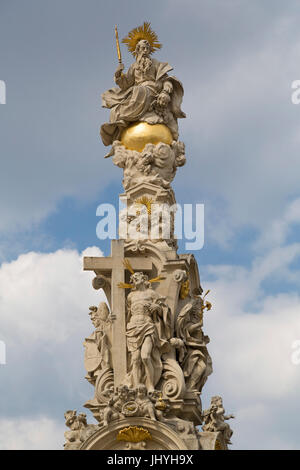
{"x":147,"y":358}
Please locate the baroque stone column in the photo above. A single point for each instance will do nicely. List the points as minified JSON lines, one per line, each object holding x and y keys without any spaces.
{"x":147,"y":358}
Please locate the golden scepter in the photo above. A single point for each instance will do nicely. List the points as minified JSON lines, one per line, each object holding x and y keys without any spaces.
{"x":118,"y":45}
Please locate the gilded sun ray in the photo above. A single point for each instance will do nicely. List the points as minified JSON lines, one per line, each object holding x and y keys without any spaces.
{"x":128,"y":266}
{"x":157,"y":279}
{"x":124,"y":285}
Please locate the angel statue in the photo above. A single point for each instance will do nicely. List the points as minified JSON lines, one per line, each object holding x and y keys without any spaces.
{"x":214,"y":419}
{"x":196,"y":362}
{"x":98,"y":345}
{"x":80,"y":430}
{"x":145,"y":93}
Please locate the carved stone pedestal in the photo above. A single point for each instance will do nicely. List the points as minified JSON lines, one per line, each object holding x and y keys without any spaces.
{"x":212,"y":441}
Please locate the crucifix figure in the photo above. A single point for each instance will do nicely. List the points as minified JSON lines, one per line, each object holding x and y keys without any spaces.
{"x":148,"y":331}
{"x":113,"y":268}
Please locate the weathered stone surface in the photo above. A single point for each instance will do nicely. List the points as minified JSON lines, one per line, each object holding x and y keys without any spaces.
{"x":155,"y":164}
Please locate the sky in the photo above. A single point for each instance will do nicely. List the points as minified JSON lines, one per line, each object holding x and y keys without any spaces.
{"x":237,"y":61}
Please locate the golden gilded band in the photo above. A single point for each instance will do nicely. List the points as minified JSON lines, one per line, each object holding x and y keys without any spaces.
{"x":118,"y":45}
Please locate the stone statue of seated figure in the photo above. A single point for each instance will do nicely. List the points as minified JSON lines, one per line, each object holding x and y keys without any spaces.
{"x":145,"y":92}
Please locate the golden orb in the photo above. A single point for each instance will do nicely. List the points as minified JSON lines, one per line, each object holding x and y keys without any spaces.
{"x":136,"y":136}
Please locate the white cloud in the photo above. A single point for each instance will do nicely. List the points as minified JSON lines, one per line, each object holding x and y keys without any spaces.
{"x":44,"y":300}
{"x":254,"y":346}
{"x":252,"y":335}
{"x":44,"y":296}
{"x":280,"y":228}
{"x":41,"y":433}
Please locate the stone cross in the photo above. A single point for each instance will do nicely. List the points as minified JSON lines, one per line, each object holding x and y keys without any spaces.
{"x":113,"y":266}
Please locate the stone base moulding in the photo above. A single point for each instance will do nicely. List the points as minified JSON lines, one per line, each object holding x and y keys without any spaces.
{"x":162,"y":436}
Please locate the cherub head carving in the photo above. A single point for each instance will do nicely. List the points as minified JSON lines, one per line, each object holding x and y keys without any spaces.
{"x":99,"y":315}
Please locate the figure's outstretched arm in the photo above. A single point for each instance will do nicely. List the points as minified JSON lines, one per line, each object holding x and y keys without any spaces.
{"x":124,"y":80}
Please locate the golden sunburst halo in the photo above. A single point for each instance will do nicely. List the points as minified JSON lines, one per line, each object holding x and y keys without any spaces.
{"x":139,"y":33}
